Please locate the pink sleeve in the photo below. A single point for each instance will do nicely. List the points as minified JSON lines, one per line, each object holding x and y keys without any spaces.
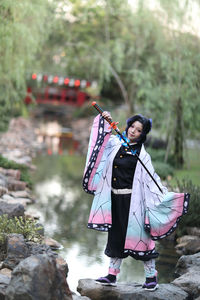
{"x":99,"y":137}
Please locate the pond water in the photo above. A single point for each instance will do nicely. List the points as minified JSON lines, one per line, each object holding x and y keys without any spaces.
{"x":64,"y":210}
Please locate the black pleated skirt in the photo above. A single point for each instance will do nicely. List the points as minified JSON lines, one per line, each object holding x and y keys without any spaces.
{"x":117,"y":234}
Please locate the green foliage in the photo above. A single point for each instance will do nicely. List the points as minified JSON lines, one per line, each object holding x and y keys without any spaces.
{"x":25,"y":226}
{"x":191,"y":219}
{"x":156,"y":154}
{"x":191,"y":169}
{"x":162,"y":169}
{"x":149,"y":65}
{"x":159,"y":155}
{"x":24,"y":27}
{"x":8,"y":164}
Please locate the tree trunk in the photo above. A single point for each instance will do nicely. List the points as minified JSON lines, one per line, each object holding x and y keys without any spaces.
{"x":178,"y":147}
{"x":123,"y":90}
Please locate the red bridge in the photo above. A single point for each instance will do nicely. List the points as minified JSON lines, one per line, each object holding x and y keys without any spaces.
{"x":48,"y":89}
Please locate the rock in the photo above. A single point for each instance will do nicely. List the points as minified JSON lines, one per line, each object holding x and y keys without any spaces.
{"x":189,"y":269}
{"x":37,"y":277}
{"x":20,"y":194}
{"x":6,"y":272}
{"x":186,"y":263}
{"x":32,"y":213}
{"x":11,"y":210}
{"x":186,"y":239}
{"x":25,"y":160}
{"x":17,"y":250}
{"x":190,"y":283}
{"x":35,"y":249}
{"x":12,"y":200}
{"x":16,"y":185}
{"x":193,"y":231}
{"x":7,"y":197}
{"x":189,"y":247}
{"x":77,"y":297}
{"x":128,"y":291}
{"x":62,"y":265}
{"x":16,"y":174}
{"x":40,"y":228}
{"x":3,"y":181}
{"x":52,"y":243}
{"x":3,"y":191}
{"x":4,"y":282}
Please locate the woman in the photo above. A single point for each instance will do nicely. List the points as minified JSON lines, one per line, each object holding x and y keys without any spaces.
{"x":127,"y":202}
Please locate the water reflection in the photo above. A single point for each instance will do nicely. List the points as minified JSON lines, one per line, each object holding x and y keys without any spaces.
{"x":57,"y":139}
{"x":64,"y":209}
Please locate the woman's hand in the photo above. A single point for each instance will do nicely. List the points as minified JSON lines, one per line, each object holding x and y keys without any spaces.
{"x":107,"y":115}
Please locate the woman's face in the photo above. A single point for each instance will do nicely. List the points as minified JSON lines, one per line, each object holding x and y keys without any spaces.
{"x":135,"y":131}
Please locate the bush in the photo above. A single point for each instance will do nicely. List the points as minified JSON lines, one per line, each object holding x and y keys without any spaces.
{"x":8,"y":164}
{"x":156,"y":154}
{"x":191,"y":219}
{"x":156,"y":143}
{"x":25,"y":226}
{"x":163,"y":169}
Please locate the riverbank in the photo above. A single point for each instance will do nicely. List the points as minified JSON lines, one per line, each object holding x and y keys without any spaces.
{"x":29,"y":267}
{"x":46,"y":252}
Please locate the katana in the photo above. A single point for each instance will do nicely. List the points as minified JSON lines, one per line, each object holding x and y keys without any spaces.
{"x":114,"y":126}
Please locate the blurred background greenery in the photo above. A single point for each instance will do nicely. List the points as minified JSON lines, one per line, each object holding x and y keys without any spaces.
{"x":145,"y":58}
{"x":144,"y":55}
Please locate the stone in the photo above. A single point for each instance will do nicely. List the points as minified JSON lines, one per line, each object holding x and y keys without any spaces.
{"x":186,"y":239}
{"x":16,"y":185}
{"x":32,"y":213}
{"x":193,"y":231}
{"x":12,"y":200}
{"x":189,"y":247}
{"x":24,"y":160}
{"x":186,"y":263}
{"x":7,"y":197}
{"x":3,"y":181}
{"x":35,"y":249}
{"x":20,"y":194}
{"x":4,"y":282}
{"x":37,"y":277}
{"x":40,"y":228}
{"x":128,"y":291}
{"x":188,"y":266}
{"x":3,"y":190}
{"x":16,"y":174}
{"x":52,"y":243}
{"x":11,"y":210}
{"x":6,"y":272}
{"x":17,"y":250}
{"x":190,"y":283}
{"x":77,"y":297}
{"x":62,"y":265}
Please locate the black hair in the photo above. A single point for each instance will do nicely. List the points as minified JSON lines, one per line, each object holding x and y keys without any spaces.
{"x":146,"y":124}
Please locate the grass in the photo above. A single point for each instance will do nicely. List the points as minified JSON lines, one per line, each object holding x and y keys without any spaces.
{"x":191,"y":169}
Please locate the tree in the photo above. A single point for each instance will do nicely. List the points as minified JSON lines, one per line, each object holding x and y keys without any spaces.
{"x":106,"y":40}
{"x":155,"y":66}
{"x":24,"y":26}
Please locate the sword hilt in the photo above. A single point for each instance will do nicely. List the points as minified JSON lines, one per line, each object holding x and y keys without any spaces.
{"x":100,"y":110}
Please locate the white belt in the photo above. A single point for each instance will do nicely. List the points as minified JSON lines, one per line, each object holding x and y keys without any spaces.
{"x":121,"y":191}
